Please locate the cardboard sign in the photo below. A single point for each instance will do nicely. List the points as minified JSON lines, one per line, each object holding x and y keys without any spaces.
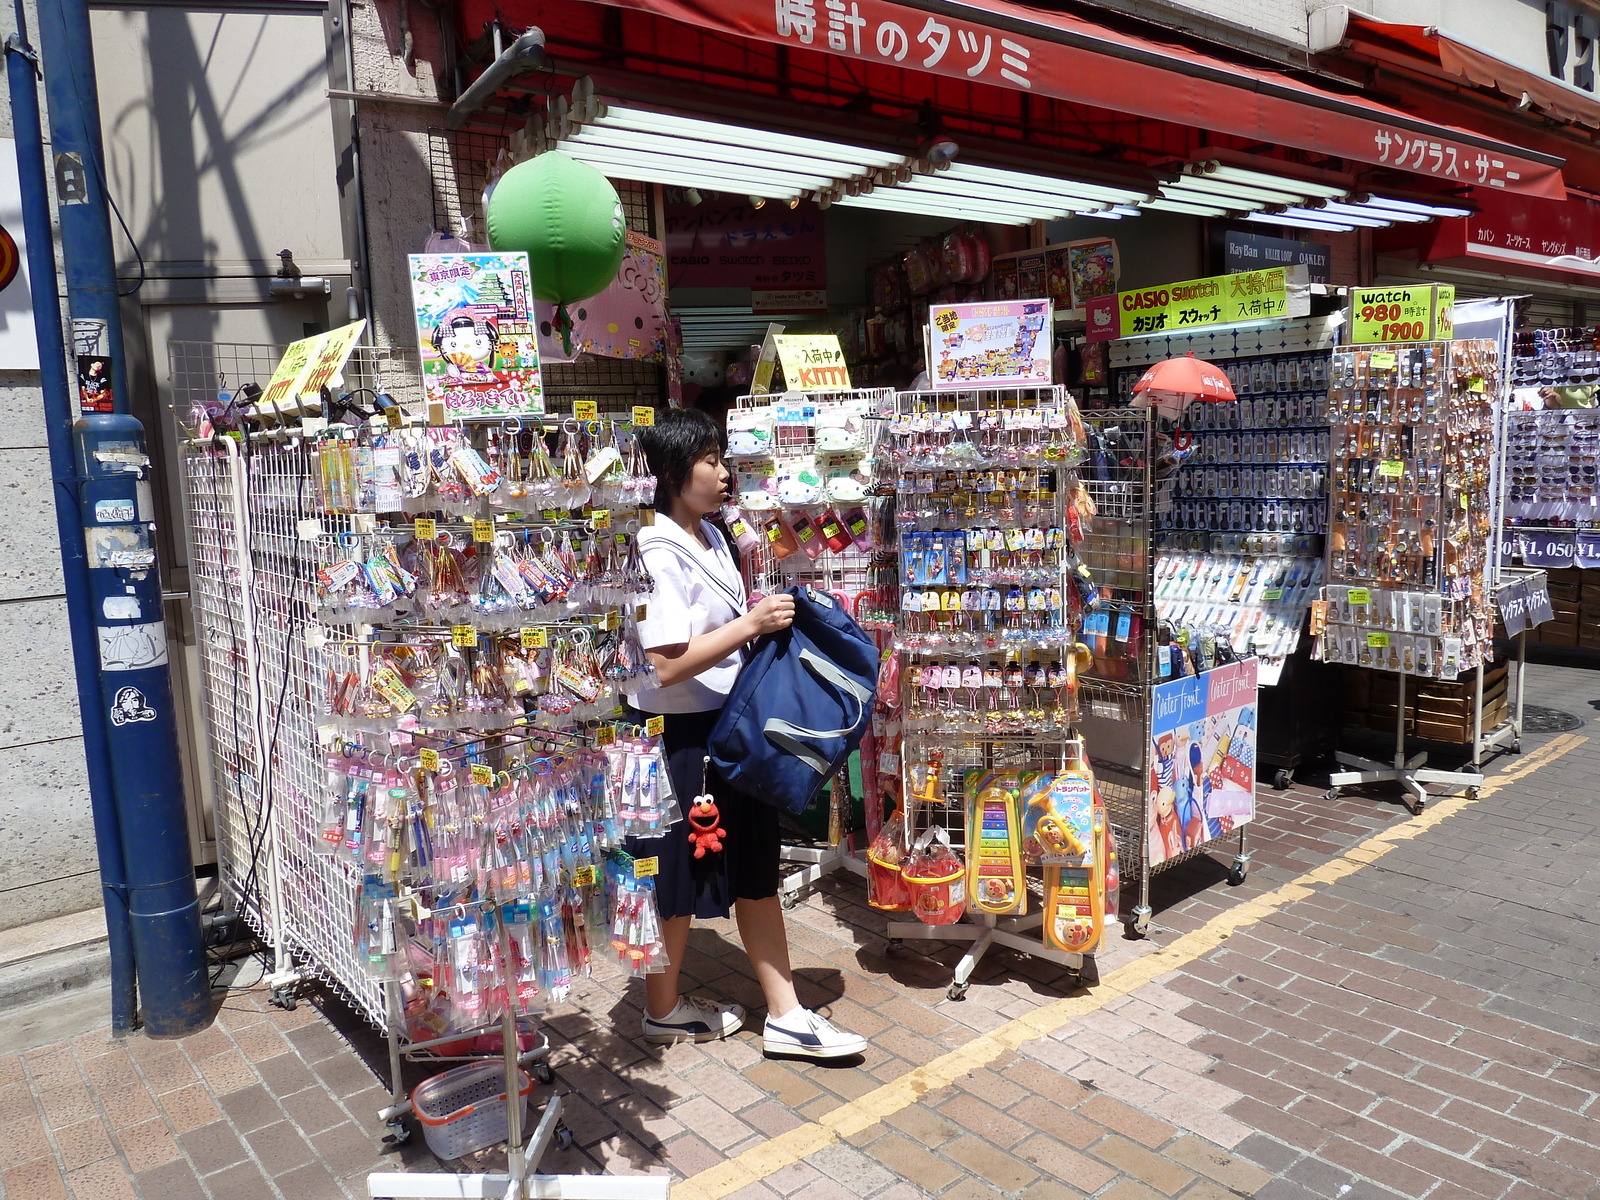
{"x":1203,"y":759}
{"x":1194,"y":304}
{"x":1401,"y":314}
{"x":1001,"y":344}
{"x":308,"y":365}
{"x":813,"y":362}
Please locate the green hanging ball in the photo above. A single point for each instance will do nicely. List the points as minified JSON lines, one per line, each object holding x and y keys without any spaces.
{"x":568,"y":219}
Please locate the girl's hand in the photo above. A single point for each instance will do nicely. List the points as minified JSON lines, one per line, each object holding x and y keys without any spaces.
{"x":772,"y":614}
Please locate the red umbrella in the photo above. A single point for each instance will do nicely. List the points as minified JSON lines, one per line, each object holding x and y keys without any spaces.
{"x":1170,"y":385}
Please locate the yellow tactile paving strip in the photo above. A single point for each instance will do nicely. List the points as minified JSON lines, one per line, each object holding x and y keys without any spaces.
{"x":786,"y":1149}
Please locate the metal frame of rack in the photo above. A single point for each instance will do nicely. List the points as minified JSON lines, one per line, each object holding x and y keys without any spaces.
{"x":261,"y":657}
{"x":1120,"y":553}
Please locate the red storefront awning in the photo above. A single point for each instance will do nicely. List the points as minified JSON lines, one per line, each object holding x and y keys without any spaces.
{"x":1070,"y":58}
{"x":1462,"y":60}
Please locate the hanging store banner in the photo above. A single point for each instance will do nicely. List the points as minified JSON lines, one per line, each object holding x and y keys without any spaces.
{"x":1202,"y":781}
{"x":1401,"y":314}
{"x":1074,"y":58}
{"x":1511,"y":232}
{"x":627,"y":320}
{"x":812,"y":362}
{"x":1243,"y":251}
{"x":476,"y":334}
{"x":1197,"y":304}
{"x":722,"y":242}
{"x":990,"y":345}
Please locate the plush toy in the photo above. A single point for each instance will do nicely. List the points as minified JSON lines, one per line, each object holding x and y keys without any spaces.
{"x":567,"y":218}
{"x":705,"y":826}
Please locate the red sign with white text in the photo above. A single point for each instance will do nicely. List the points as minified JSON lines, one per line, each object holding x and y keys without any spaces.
{"x":724,"y":243}
{"x":1523,"y":232}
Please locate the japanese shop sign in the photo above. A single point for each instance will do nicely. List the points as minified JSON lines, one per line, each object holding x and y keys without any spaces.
{"x":812,"y":362}
{"x":723,"y":242}
{"x":1527,"y":231}
{"x":1197,"y":304}
{"x":1401,"y":314}
{"x":1088,"y":63}
{"x":476,"y":334}
{"x":1252,"y":251}
{"x":1004,"y":344}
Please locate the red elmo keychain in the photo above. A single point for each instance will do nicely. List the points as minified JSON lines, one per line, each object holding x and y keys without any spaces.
{"x":705,"y":826}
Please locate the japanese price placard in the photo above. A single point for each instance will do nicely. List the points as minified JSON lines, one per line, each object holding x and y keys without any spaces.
{"x":1402,"y":314}
{"x":1267,"y":295}
{"x":1002,"y":344}
{"x":813,"y":362}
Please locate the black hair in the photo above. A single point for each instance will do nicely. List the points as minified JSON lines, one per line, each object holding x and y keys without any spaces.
{"x":679,"y":439}
{"x":463,"y":320}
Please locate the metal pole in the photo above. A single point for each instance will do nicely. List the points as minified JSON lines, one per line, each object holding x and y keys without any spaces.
{"x":79,"y":159}
{"x":115,"y":528}
{"x":21,"y":64}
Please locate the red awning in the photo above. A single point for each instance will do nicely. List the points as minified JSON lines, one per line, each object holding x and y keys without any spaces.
{"x":1463,"y":60}
{"x":1069,"y":58}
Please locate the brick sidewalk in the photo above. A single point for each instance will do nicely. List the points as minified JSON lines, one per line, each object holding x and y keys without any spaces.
{"x":1422,"y":1027}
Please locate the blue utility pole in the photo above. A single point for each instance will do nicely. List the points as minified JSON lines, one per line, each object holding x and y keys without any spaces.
{"x":133,"y":699}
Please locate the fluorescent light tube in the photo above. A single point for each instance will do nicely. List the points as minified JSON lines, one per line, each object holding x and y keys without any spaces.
{"x":1278,"y":219}
{"x":624,"y":117}
{"x":1244,"y":191}
{"x":1278,"y":182}
{"x":1190,"y":210}
{"x":1431,"y":210}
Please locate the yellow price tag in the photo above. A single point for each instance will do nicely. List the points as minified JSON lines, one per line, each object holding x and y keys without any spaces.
{"x":655,"y":726}
{"x":639,"y":613}
{"x":643,"y":415}
{"x":430,"y":759}
{"x":551,"y":514}
{"x":427,"y":530}
{"x":1463,"y":502}
{"x":1378,"y":641}
{"x":611,"y":620}
{"x":584,"y":876}
{"x":601,"y":519}
{"x":483,"y":775}
{"x":1360,"y":596}
{"x":464,"y":637}
{"x":586,"y":410}
{"x":1476,"y":384}
{"x":1383,"y":360}
{"x":1391,"y":468}
{"x":606,"y":735}
{"x":1272,"y":594}
{"x":645,"y":868}
{"x":483,"y":531}
{"x":533,"y":638}
{"x":395,"y":417}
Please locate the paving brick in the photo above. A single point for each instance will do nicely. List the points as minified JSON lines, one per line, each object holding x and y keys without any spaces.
{"x":1536,"y":1169}
{"x":310,"y":1182}
{"x":285,"y":1074}
{"x":349,"y":1148}
{"x":914,"y":1163}
{"x":1151,"y":1169}
{"x":1404,"y":1119}
{"x":40,"y":1179}
{"x":1190,"y":1114}
{"x":1227,"y":1169}
{"x":243,"y":1182}
{"x":226,"y":1072}
{"x":1495,"y":1125}
{"x":213,"y":1147}
{"x":1040,"y":1080}
{"x":147,"y":1144}
{"x":1067,"y":1164}
{"x":1264,"y":1118}
{"x":851,"y":1169}
{"x":924,"y":1123}
{"x":1268,"y":1152}
{"x":173,"y":1181}
{"x":67,"y":1105}
{"x":968,"y":1112}
{"x":990,"y":1163}
{"x":1380,"y":1168}
{"x":1452,"y":1168}
{"x":106,"y":1179}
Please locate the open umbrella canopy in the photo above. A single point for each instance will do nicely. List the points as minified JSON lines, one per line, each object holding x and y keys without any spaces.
{"x":1169,"y":386}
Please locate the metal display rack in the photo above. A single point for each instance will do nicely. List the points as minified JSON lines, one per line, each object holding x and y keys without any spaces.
{"x":1116,"y":712}
{"x":846,"y":574}
{"x":253,"y":521}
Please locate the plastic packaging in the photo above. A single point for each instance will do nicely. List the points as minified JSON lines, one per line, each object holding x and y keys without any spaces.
{"x":936,"y":878}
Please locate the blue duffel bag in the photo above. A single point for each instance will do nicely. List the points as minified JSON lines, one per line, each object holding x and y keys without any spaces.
{"x":799,"y":707}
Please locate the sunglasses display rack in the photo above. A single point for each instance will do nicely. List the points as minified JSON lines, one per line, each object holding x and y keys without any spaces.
{"x":806,"y":516}
{"x":414,"y":642}
{"x":989,"y":518}
{"x":1553,"y":470}
{"x":1410,"y":527}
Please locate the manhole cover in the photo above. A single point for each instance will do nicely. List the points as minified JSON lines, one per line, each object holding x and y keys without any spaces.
{"x":1536,"y":719}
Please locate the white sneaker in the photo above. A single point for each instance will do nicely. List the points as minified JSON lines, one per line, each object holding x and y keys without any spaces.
{"x":694,"y":1019}
{"x":804,"y":1033}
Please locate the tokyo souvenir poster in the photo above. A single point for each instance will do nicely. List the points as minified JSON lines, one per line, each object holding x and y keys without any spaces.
{"x":476,"y":334}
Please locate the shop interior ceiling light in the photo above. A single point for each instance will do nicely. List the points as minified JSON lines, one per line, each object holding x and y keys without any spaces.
{"x":1328,"y":226}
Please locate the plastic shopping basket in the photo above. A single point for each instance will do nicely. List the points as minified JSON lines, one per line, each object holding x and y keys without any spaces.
{"x":464,"y":1109}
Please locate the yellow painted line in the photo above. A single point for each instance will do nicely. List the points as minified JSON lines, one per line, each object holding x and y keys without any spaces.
{"x":862,"y":1113}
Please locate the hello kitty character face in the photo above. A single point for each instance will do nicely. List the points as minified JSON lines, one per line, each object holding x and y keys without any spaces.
{"x":463,"y":339}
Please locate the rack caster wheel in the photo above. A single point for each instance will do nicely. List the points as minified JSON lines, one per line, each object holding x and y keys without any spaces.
{"x":1073,"y":980}
{"x":563,"y":1138}
{"x":894,"y":946}
{"x":1139,"y":927}
{"x":1516,"y":746}
{"x":1472,"y":793}
{"x":1331,"y":794}
{"x":958,"y":991}
{"x":1236,"y":874}
{"x":543,"y":1073}
{"x":788,"y":900}
{"x":1282,"y":780}
{"x":399,"y":1132}
{"x":285,"y":999}
{"x":1414,"y":807}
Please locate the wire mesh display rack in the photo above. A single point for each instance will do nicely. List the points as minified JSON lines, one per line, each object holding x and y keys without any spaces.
{"x":1116,"y":709}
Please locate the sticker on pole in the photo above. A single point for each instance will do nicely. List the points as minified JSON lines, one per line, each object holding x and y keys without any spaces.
{"x":133,"y":647}
{"x":129,"y":708}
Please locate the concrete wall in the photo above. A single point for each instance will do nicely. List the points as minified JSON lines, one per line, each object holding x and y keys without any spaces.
{"x":47,"y":857}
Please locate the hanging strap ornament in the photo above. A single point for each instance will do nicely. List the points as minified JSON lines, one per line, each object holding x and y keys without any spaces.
{"x":705,"y":820}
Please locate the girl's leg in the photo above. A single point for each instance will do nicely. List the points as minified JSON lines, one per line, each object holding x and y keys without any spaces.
{"x":661,"y":989}
{"x":767,"y":943}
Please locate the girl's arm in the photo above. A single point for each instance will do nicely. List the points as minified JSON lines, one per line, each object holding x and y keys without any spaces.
{"x":699,"y":654}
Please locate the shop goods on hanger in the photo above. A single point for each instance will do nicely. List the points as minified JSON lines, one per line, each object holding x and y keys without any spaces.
{"x":1209,"y":604}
